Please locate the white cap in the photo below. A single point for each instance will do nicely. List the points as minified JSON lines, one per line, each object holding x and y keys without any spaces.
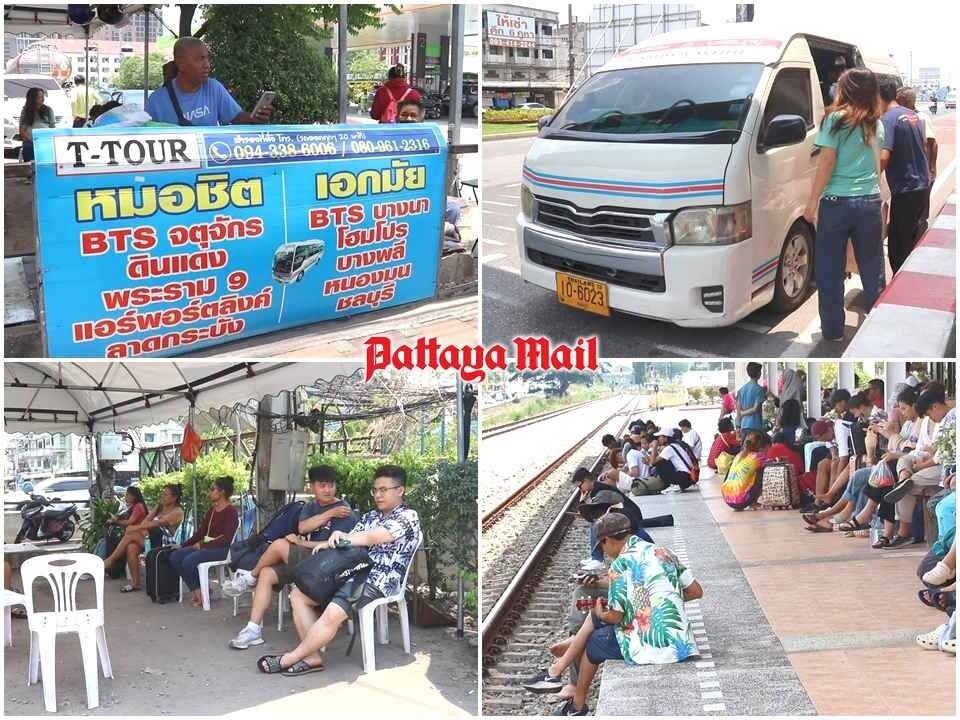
{"x":665,"y":432}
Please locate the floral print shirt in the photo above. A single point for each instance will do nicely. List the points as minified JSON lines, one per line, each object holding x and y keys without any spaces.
{"x":391,"y":560}
{"x":646,"y":585}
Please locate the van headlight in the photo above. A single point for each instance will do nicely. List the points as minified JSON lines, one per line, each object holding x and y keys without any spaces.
{"x":526,"y":202}
{"x":721,"y":225}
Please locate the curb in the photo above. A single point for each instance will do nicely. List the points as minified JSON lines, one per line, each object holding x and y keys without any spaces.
{"x":926,"y":282}
{"x":508,"y":136}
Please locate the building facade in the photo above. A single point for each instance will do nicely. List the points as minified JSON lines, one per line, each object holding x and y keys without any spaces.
{"x":523,"y":60}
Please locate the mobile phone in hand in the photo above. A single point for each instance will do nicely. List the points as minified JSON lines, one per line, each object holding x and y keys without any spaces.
{"x":266,"y":98}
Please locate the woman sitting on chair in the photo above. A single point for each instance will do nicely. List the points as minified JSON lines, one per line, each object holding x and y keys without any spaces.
{"x":135,"y":513}
{"x":160,"y":526}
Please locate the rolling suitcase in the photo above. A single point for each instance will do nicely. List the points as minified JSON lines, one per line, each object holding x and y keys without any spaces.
{"x":779,"y":487}
{"x":118,"y":569}
{"x":163,"y":583}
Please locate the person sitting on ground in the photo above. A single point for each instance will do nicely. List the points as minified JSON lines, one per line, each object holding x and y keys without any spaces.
{"x":391,"y":532}
{"x":202,"y":99}
{"x":674,"y":461}
{"x":742,"y":486}
{"x":599,"y":498}
{"x":920,"y":468}
{"x":725,"y":441}
{"x":211,"y":541}
{"x":318,"y":520}
{"x":691,"y":438}
{"x":635,"y":468}
{"x":728,"y":405}
{"x":860,"y":500}
{"x":159,"y":525}
{"x":644,"y":579}
{"x":613,"y":450}
{"x":131,"y":544}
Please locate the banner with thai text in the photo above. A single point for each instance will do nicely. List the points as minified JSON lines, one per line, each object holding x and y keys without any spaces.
{"x":162,"y":240}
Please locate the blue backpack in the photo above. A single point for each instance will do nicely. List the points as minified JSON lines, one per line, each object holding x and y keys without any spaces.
{"x":244,"y":554}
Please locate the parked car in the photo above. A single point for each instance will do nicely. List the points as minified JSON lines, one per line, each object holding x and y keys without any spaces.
{"x":672,"y":183}
{"x":292,"y":260}
{"x":533,"y":106}
{"x":15,"y":89}
{"x":70,"y":488}
{"x":469,"y":103}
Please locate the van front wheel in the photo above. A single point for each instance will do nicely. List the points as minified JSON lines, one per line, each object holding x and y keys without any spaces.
{"x":795,"y":270}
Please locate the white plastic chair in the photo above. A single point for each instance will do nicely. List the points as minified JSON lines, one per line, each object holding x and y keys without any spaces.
{"x":63,"y":572}
{"x":204,"y":570}
{"x":380,"y":606}
{"x":10,"y":598}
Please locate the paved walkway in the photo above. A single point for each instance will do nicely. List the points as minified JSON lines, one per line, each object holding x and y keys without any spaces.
{"x":796,"y":623}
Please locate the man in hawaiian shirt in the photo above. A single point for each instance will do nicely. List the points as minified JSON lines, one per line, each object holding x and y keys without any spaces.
{"x":392,"y":533}
{"x":644,"y":623}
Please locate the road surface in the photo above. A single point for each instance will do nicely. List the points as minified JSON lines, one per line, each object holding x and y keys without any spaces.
{"x":512,"y":307}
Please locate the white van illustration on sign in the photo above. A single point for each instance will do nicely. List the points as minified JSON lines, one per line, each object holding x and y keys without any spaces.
{"x":292,"y":260}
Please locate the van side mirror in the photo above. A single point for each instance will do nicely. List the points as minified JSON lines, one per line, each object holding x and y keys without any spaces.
{"x":783,"y":130}
{"x":544,"y":121}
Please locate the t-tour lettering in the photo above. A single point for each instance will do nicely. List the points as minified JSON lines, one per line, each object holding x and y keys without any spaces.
{"x":82,"y":154}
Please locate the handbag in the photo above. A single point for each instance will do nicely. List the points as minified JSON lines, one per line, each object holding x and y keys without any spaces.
{"x":322,"y":574}
{"x":881,"y":477}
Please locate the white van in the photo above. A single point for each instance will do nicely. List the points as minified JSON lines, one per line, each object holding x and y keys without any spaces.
{"x":672,"y":183}
{"x":292,"y":260}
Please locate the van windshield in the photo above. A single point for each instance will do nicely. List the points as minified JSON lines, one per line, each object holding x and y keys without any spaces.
{"x":668,"y":103}
{"x":283,"y":261}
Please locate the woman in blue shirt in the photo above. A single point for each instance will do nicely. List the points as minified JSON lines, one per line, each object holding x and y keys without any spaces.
{"x":845,"y":198}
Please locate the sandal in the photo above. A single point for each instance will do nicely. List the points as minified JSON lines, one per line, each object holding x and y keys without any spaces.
{"x":302,"y":667}
{"x":899,"y":541}
{"x":819,"y":528}
{"x":129,"y":589}
{"x":811,"y":518}
{"x":852,"y":525}
{"x":882,"y":542}
{"x":930,"y":640}
{"x":270,"y":664}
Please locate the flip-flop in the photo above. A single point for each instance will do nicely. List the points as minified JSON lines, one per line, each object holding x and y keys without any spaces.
{"x":852,"y":525}
{"x":270,"y":664}
{"x":302,"y":667}
{"x":129,"y":589}
{"x":882,"y":542}
{"x":811,"y":518}
{"x":818,"y":529}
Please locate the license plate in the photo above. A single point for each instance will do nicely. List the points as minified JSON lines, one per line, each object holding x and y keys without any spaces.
{"x":583,"y":294}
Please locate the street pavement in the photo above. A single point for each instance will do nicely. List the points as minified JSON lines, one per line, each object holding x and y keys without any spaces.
{"x":512,"y":307}
{"x":794,"y":623}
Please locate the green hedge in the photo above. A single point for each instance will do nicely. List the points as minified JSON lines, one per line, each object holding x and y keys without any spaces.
{"x":205,"y":470}
{"x":515,"y":115}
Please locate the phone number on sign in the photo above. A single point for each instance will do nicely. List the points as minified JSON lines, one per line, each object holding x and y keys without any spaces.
{"x":221,"y":152}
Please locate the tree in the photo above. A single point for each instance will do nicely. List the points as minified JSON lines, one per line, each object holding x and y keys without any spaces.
{"x":366,"y":69}
{"x":712,"y":393}
{"x":257,"y":47}
{"x":130,"y":74}
{"x":695,"y":394}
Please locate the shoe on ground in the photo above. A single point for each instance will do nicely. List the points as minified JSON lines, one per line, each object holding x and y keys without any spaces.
{"x":543,"y":682}
{"x":939,"y":575}
{"x":247,"y":637}
{"x":899,"y":491}
{"x":242,"y":582}
{"x":670,"y":489}
{"x":591,"y":565}
{"x":568,"y":709}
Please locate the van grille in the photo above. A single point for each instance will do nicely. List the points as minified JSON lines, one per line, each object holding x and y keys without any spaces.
{"x":637,"y":281}
{"x":632,"y":227}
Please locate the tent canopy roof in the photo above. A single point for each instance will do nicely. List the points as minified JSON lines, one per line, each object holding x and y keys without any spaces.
{"x":82,"y":397}
{"x":42,"y":17}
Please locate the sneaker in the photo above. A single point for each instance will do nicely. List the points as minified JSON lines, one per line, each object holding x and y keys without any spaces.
{"x":247,"y":637}
{"x":543,"y":682}
{"x":242,"y":582}
{"x":671,"y":489}
{"x":591,"y":565}
{"x":568,"y":709}
{"x":899,"y":490}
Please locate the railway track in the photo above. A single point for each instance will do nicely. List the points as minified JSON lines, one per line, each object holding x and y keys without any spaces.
{"x":507,"y":427}
{"x":527,"y":563}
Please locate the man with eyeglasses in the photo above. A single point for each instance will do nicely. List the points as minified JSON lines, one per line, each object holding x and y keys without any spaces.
{"x":391,"y":533}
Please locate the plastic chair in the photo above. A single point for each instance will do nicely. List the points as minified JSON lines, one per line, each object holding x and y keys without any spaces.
{"x":380,"y":607}
{"x":63,"y":572}
{"x":204,"y":570}
{"x":10,"y":598}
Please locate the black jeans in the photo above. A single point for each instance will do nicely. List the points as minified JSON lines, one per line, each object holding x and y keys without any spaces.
{"x":907,"y":220}
{"x":671,"y":476}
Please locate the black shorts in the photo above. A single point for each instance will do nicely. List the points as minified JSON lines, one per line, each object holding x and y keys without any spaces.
{"x":348,"y":592}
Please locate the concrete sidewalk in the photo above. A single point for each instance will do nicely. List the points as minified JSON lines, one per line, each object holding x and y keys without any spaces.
{"x":174,"y":660}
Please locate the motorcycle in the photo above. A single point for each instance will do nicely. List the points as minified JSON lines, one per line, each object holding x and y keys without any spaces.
{"x":41,"y":521}
{"x":431,"y":106}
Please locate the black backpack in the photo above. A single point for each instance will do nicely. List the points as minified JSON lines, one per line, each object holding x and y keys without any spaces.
{"x":322,"y":574}
{"x":244,"y":554}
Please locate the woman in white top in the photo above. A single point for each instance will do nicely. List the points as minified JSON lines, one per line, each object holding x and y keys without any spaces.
{"x":673,"y":460}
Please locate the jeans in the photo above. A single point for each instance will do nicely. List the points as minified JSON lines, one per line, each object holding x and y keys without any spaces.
{"x":860,"y":219}
{"x":185,"y":561}
{"x":854,"y":490}
{"x":27,"y":151}
{"x":595,"y":553}
{"x":451,"y":213}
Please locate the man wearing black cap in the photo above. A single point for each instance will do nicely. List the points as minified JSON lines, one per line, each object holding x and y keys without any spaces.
{"x":643,"y":576}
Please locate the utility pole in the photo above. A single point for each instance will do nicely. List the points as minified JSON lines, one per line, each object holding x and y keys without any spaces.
{"x":570,"y":61}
